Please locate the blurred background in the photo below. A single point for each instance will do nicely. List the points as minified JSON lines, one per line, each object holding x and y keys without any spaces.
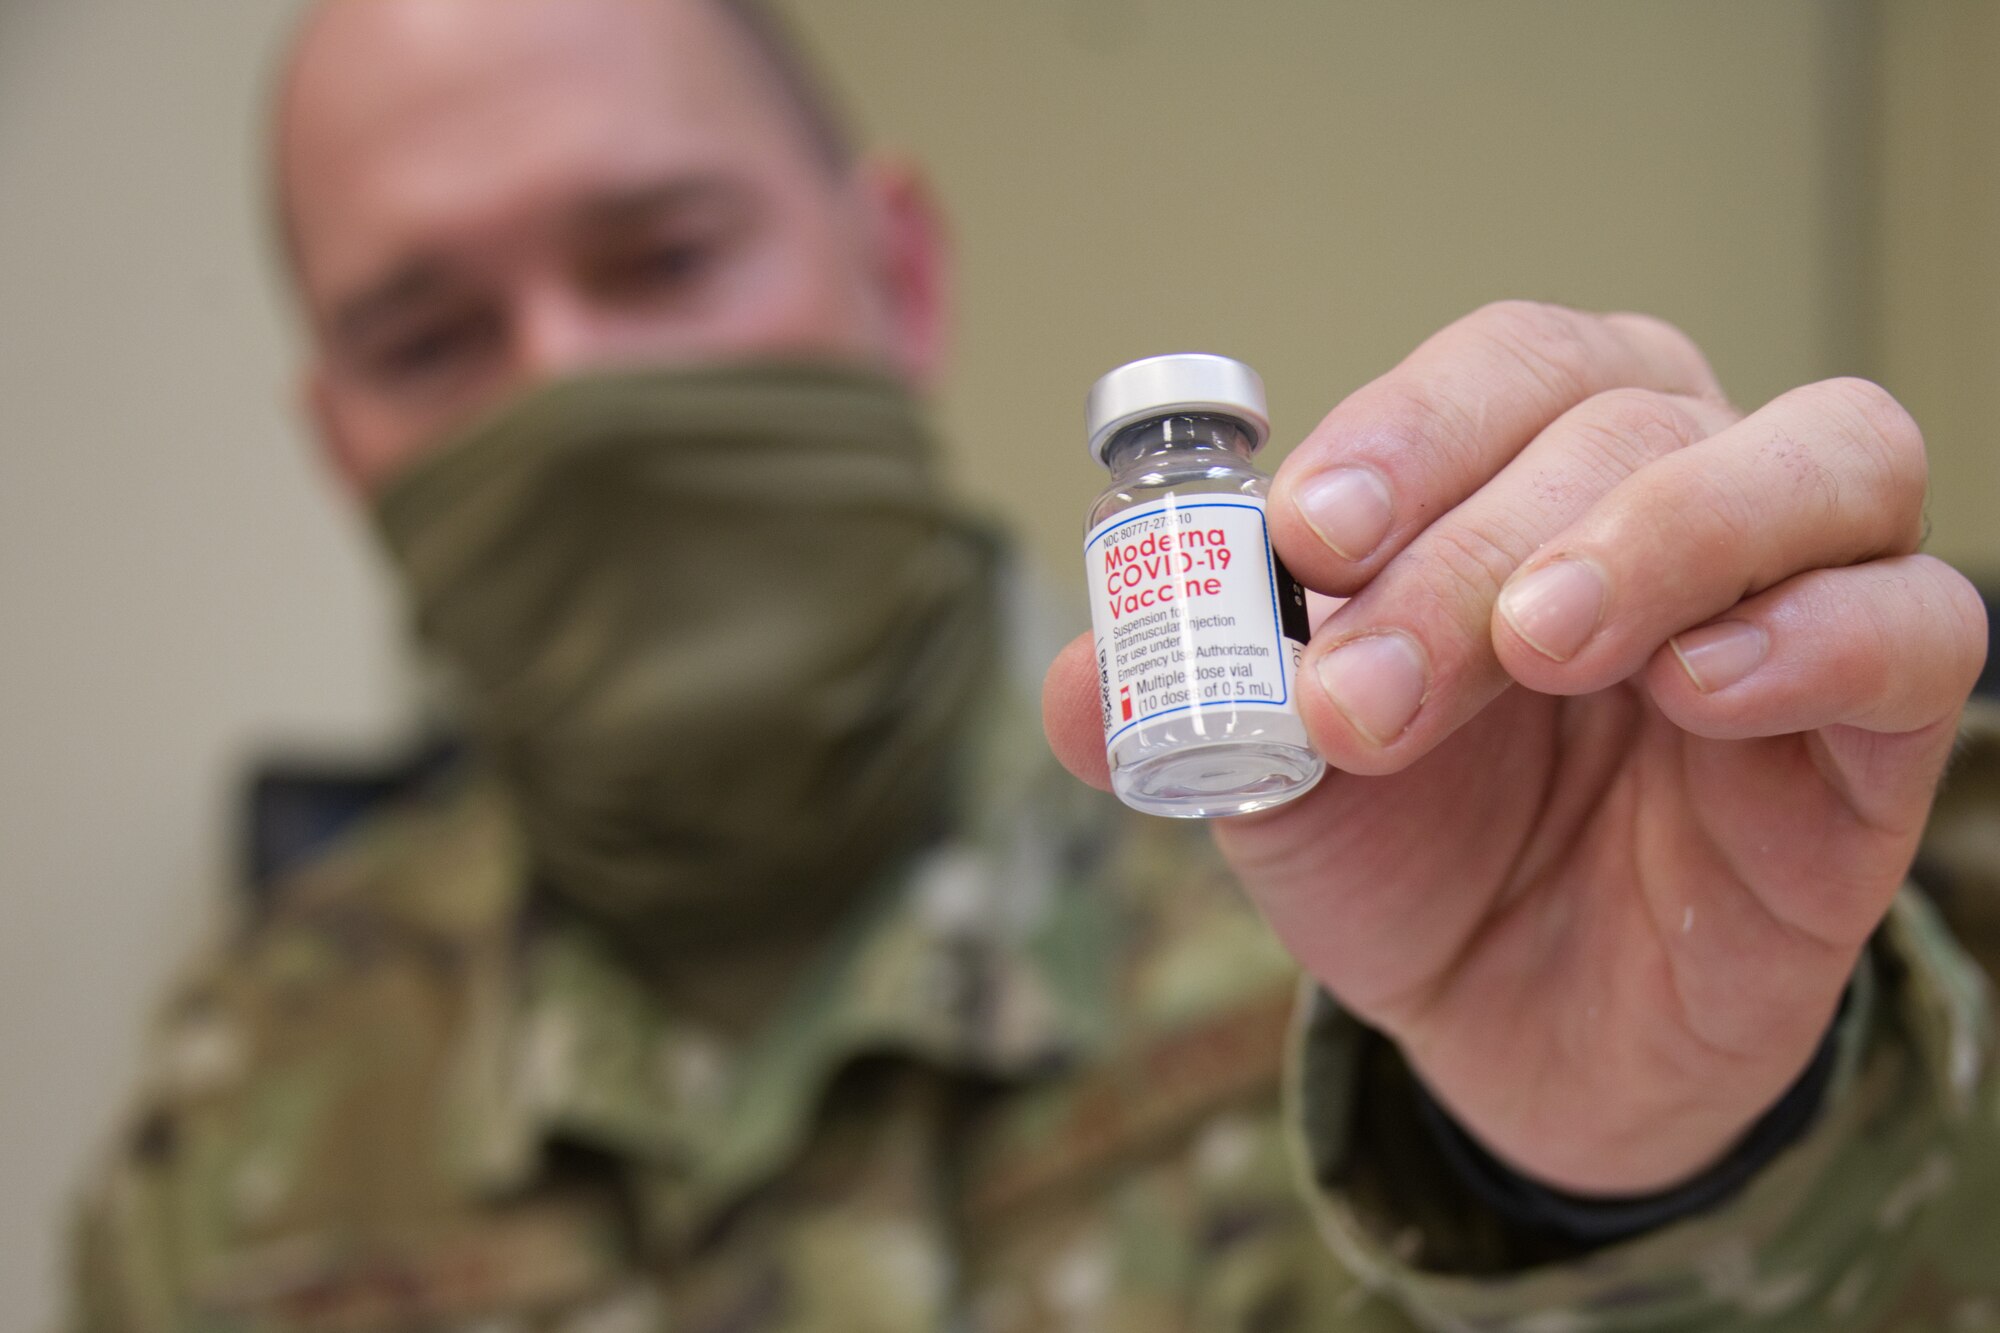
{"x":1810,"y":187}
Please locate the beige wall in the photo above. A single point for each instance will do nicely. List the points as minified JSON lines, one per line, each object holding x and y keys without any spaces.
{"x":1934,"y":335}
{"x":1309,"y":185}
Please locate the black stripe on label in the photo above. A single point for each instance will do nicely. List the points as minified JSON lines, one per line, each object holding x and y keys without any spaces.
{"x":1291,"y":604}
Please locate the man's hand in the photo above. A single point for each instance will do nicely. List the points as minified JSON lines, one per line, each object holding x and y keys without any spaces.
{"x":1635,"y":712}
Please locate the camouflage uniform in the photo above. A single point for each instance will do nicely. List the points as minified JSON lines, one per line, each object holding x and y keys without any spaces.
{"x":1054,"y":1076}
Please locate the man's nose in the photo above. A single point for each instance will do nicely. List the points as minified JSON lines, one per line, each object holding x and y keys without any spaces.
{"x":556,"y":332}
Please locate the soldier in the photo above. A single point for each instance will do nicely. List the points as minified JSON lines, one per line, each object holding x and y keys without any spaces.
{"x":753,"y":972}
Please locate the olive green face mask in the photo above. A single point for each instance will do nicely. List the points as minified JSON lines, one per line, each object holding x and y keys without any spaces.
{"x":718,"y":629}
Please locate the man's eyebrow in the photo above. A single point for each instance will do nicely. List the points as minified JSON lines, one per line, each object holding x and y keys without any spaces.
{"x":411,"y":283}
{"x":647,"y":203}
{"x":425,"y":278}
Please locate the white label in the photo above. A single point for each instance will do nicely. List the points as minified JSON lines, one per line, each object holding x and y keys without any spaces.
{"x":1191,"y":610}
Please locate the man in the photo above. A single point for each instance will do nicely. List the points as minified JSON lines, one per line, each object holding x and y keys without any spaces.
{"x":753,"y":976}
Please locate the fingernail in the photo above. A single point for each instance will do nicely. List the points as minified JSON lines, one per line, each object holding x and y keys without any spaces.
{"x":1556,"y":608}
{"x":1349,"y":509}
{"x":1376,"y":682}
{"x":1717,"y":656}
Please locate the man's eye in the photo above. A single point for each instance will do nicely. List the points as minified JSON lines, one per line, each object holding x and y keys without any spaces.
{"x":432,"y":350}
{"x":654,"y":268}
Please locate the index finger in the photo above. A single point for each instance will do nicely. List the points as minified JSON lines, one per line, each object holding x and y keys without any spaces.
{"x":1410,"y":445}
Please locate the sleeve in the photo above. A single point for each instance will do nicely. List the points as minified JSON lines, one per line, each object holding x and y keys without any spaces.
{"x":1883,"y":1215}
{"x":89,"y":1304}
{"x":119,"y":1274}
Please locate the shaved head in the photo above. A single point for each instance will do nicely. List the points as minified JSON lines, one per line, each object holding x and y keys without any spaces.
{"x":792,"y":75}
{"x":475,"y":197}
{"x":809,"y":95}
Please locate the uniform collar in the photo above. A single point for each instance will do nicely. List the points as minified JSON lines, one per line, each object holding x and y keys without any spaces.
{"x":982,"y":955}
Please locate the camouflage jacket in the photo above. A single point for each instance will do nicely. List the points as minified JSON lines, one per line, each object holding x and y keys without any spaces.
{"x":1054,"y":1076}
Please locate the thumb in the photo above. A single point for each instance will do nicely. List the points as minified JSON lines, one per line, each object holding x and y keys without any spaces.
{"x":1072,"y":713}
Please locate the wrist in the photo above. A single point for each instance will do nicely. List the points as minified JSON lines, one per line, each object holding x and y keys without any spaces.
{"x":1581,"y":1221}
{"x":1629,"y":1122}
{"x":1621,"y":1147}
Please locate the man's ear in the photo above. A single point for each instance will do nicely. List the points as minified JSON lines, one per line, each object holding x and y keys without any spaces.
{"x":911,"y":249}
{"x":336,"y":448}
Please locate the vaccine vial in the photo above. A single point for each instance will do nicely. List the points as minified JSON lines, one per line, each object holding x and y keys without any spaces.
{"x":1199,"y":627}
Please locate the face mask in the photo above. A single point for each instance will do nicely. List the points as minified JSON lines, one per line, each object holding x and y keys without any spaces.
{"x":718,"y":630}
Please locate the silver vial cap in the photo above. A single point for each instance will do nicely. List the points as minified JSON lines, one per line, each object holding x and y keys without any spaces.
{"x":1161,"y":386}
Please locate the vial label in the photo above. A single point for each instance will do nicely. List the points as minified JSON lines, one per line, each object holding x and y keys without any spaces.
{"x":1191,"y":610}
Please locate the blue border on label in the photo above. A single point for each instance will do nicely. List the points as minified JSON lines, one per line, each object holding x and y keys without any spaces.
{"x":1270,"y":579}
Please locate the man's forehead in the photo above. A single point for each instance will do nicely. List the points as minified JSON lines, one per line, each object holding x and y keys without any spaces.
{"x":394,"y":109}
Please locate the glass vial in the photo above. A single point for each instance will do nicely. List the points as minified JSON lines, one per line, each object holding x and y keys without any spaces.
{"x":1199,"y":628}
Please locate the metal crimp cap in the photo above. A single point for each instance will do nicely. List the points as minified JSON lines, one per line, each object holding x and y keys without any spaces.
{"x":1163,"y":386}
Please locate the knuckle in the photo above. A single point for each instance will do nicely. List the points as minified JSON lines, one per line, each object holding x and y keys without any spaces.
{"x":1874,"y":421}
{"x":1550,"y":343}
{"x":1438,"y":418}
{"x":1633,"y":425}
{"x":1517,"y":312}
{"x":1793,"y":476}
{"x":1470,"y":565}
{"x":1849,"y":452}
{"x":1876,"y":406}
{"x":1673,"y":343}
{"x":1663,"y":331}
